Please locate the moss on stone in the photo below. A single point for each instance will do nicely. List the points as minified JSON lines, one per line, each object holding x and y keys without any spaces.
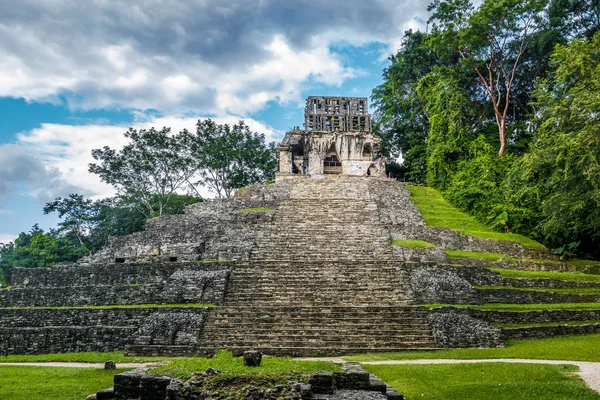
{"x":412,"y":244}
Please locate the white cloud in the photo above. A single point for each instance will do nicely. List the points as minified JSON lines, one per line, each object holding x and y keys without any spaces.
{"x":64,"y":152}
{"x":7,"y":237}
{"x":203,"y":57}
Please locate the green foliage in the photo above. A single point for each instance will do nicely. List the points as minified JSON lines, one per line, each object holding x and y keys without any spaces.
{"x":487,"y":69}
{"x":230,"y":157}
{"x":485,"y":381}
{"x":51,"y":383}
{"x":437,"y":212}
{"x":400,"y":119}
{"x":413,"y":244}
{"x":576,"y":348}
{"x":448,"y":107}
{"x":37,"y":249}
{"x":560,"y":177}
{"x":149,"y":170}
{"x":567,"y":251}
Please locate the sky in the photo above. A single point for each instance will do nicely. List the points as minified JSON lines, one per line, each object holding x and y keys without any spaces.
{"x":75,"y":75}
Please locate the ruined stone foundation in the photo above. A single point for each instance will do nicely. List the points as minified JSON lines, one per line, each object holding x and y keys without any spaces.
{"x":301,"y":267}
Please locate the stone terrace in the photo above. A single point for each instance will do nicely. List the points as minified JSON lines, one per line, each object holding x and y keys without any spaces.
{"x":321,"y":280}
{"x":301,"y":267}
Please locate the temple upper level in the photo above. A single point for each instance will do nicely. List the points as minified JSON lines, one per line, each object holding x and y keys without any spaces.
{"x":331,"y":114}
{"x":336,"y":140}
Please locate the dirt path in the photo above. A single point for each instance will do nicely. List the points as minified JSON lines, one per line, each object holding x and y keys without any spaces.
{"x":588,"y":371}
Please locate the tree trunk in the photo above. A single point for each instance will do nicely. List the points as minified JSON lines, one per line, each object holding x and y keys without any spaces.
{"x":502,"y":129}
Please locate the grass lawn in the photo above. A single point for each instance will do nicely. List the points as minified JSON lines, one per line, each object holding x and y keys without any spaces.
{"x":574,"y":348}
{"x":546,"y":290}
{"x":234,"y":377}
{"x":412,"y":244}
{"x":50,"y":383}
{"x":230,"y":366}
{"x":485,"y":381}
{"x":87,"y":357}
{"x":562,"y":276}
{"x":522,"y":307}
{"x":438,"y":212}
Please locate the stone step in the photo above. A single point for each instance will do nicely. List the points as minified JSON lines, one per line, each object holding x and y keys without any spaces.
{"x":306,"y":351}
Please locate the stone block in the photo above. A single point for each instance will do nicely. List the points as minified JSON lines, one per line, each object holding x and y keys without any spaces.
{"x":252,"y":358}
{"x":377,"y":385}
{"x":127,"y":384}
{"x":354,"y":379}
{"x":106,"y":394}
{"x":110,"y":365}
{"x":154,"y":387}
{"x":322,"y":382}
{"x":391,"y":394}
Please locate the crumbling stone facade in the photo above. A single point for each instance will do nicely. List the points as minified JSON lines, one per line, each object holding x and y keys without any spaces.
{"x":336,"y":139}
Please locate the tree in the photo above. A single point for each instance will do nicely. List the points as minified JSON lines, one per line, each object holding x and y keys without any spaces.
{"x":492,"y":40}
{"x":560,"y":176}
{"x":230,"y":157}
{"x":150,"y":169}
{"x":37,"y":249}
{"x":78,"y":216}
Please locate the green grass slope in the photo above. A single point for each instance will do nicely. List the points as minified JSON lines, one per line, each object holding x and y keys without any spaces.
{"x":438,"y":212}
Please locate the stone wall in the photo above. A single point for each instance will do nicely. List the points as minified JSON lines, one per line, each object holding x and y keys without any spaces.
{"x":541,"y":332}
{"x":40,"y":331}
{"x":527,"y":317}
{"x":106,"y":273}
{"x":512,"y":296}
{"x":179,"y":283}
{"x":212,"y":230}
{"x":432,"y":284}
{"x":454,"y":330}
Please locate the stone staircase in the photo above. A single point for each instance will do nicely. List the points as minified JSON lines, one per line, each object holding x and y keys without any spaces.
{"x":322,"y":280}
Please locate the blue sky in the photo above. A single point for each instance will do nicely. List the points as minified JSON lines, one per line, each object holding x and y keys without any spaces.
{"x":75,"y":76}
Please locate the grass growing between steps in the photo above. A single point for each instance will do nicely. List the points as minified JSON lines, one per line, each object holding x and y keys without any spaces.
{"x":51,"y":383}
{"x":112,"y":306}
{"x":234,"y":377}
{"x":84,"y":357}
{"x":546,"y":290}
{"x":412,"y":244}
{"x":561,"y":276}
{"x":574,"y":348}
{"x":569,"y":323}
{"x":257,"y":209}
{"x":437,"y":212}
{"x":485,"y":381}
{"x":522,"y":307}
{"x":478,"y":255}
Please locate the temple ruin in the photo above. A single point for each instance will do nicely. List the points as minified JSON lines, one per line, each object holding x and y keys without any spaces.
{"x":336,"y":140}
